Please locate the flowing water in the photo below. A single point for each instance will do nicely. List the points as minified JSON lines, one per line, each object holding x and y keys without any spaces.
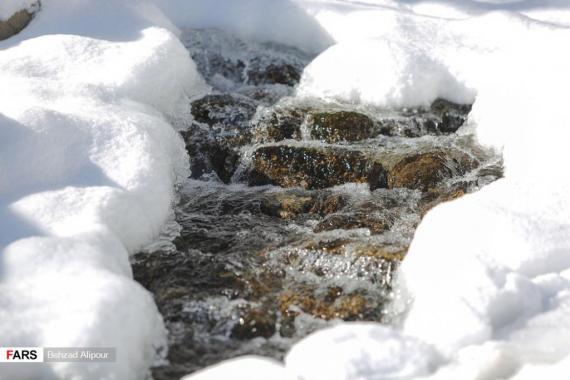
{"x":298,"y":211}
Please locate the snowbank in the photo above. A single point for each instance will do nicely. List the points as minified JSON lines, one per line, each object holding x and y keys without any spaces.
{"x":87,"y":167}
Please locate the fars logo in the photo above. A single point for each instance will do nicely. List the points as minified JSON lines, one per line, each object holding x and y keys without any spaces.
{"x":21,"y":354}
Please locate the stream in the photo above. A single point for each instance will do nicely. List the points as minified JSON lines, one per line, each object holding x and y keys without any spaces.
{"x":298,"y":211}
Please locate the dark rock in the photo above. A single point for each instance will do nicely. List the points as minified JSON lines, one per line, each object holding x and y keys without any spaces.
{"x":253,"y":323}
{"x":378,"y":178}
{"x":452,"y":115}
{"x":424,"y":171}
{"x":274,"y":73}
{"x":208,"y":153}
{"x":332,"y":127}
{"x":308,"y":167}
{"x":279,"y":125}
{"x":223,"y":109}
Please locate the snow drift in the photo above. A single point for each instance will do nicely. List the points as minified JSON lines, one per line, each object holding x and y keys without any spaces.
{"x":87,"y":168}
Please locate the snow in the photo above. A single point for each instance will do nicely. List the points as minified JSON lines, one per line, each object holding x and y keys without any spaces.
{"x":344,"y":352}
{"x":243,"y":368}
{"x":88,"y":161}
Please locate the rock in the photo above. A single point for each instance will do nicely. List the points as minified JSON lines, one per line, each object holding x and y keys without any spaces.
{"x":424,"y":171}
{"x":210,"y":154}
{"x":279,"y":125}
{"x":333,"y":304}
{"x":452,"y":115}
{"x":253,"y":323}
{"x":437,"y":196}
{"x":443,"y":117}
{"x":378,"y":177}
{"x":336,"y":246}
{"x":229,"y":69}
{"x":286,"y":205}
{"x":390,"y":253}
{"x":15,"y":24}
{"x":332,"y":127}
{"x":374,"y":222}
{"x":274,"y":73}
{"x":328,"y":204}
{"x":224,"y":109}
{"x":308,"y":167}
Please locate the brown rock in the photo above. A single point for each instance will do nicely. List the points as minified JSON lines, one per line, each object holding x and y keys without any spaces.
{"x":425,"y":171}
{"x":308,"y":167}
{"x":332,"y":127}
{"x":15,"y":24}
{"x":279,"y":125}
{"x":286,"y":205}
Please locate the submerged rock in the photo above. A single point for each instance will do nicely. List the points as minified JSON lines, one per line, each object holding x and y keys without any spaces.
{"x":374,"y":222}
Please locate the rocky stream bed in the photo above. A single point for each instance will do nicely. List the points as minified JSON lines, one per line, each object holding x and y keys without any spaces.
{"x":298,"y":211}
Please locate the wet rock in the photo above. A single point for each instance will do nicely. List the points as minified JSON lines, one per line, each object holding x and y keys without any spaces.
{"x":225,"y":109}
{"x":452,"y":115}
{"x":378,"y":177}
{"x":274,"y":73}
{"x":209,"y":153}
{"x":439,"y":197}
{"x":286,"y":205}
{"x":279,"y":125}
{"x":335,"y":246}
{"x":289,"y":204}
{"x":331,"y":305}
{"x":374,"y":222}
{"x":332,"y":127}
{"x":390,"y":253}
{"x":15,"y":24}
{"x":253,"y":323}
{"x":328,"y":204}
{"x":424,"y":171}
{"x":308,"y":167}
{"x":443,"y":117}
